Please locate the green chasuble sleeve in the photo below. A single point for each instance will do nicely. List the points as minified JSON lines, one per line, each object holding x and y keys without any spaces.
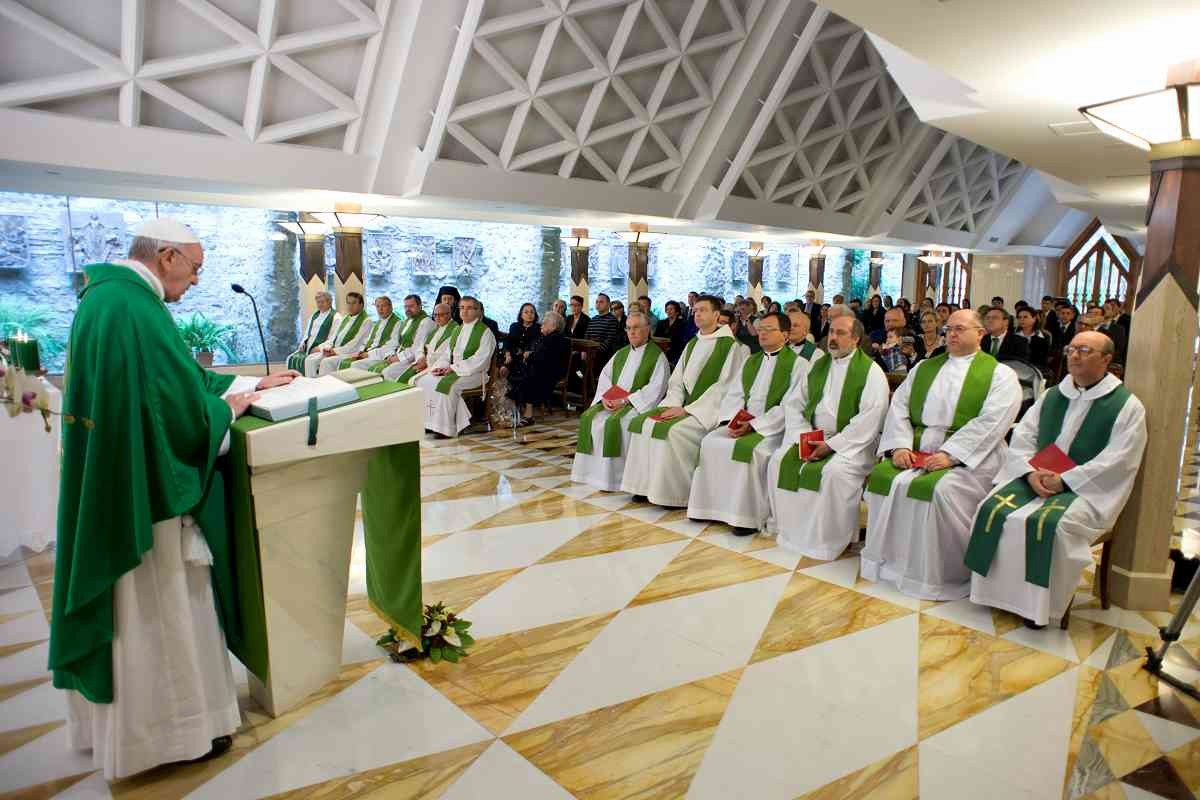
{"x":142,"y":428}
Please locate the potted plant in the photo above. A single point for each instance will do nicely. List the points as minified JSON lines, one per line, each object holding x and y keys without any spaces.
{"x":203,"y":337}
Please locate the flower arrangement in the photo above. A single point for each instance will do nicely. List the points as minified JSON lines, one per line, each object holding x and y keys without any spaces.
{"x":444,"y":636}
{"x":22,"y":393}
{"x":203,"y":335}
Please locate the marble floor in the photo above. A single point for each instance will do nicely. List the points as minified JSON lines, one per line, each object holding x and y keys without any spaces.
{"x":624,"y":651}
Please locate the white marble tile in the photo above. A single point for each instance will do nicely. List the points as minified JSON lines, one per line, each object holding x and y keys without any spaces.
{"x":14,"y":576}
{"x":576,"y":490}
{"x":647,"y":514}
{"x":388,"y":716}
{"x":1099,"y":659}
{"x":46,"y":758}
{"x":432,"y":484}
{"x":800,"y":720}
{"x":964,"y":612}
{"x":843,"y":572}
{"x":987,"y":741}
{"x":500,"y":464}
{"x":34,"y":706}
{"x":654,"y":647}
{"x":358,"y":647}
{"x":502,"y":773}
{"x":93,"y":787}
{"x":725,"y":539}
{"x":26,"y":665}
{"x":944,"y":776}
{"x":779,"y":556}
{"x":1118,"y":618}
{"x":1134,"y":793}
{"x":26,"y":628}
{"x":561,"y":590}
{"x":508,"y":547}
{"x":525,"y":472}
{"x":685,"y":527}
{"x":556,"y":483}
{"x":1051,"y":639}
{"x":612,"y":502}
{"x":1166,"y":734}
{"x":447,"y":516}
{"x":21,"y":600}
{"x":887,"y":591}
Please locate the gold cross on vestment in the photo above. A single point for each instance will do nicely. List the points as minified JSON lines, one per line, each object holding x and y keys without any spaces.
{"x":1002,"y":501}
{"x":1046,"y":509}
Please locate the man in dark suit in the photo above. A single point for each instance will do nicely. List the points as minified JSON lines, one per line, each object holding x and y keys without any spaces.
{"x":812,"y":308}
{"x":1094,"y":320}
{"x":1000,"y":342}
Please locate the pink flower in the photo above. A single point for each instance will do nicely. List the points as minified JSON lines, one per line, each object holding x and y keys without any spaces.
{"x":27,"y":400}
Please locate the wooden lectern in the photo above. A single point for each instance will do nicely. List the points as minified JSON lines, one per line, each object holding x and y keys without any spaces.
{"x":305,"y":501}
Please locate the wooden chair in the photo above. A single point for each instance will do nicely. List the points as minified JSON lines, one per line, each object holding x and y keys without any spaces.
{"x":476,"y":399}
{"x":583,"y":353}
{"x":1102,"y":573}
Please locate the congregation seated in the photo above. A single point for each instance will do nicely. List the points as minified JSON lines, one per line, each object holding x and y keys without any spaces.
{"x":577,"y":321}
{"x":533,"y":376}
{"x":1000,"y":343}
{"x":344,"y":339}
{"x":383,"y":338}
{"x":315,"y":332}
{"x":431,"y":337}
{"x":462,"y":364}
{"x":417,"y":328}
{"x":798,"y":335}
{"x":1037,"y":341}
{"x":522,"y":335}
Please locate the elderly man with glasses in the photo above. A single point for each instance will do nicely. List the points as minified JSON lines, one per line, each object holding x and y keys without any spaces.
{"x":463,"y":364}
{"x":406,"y":363}
{"x":1068,"y":474}
{"x":942,"y":444}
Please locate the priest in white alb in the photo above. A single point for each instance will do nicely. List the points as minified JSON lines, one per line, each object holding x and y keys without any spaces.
{"x":464,"y":364}
{"x":665,"y":446}
{"x":351,"y":331}
{"x":730,"y":485}
{"x":815,"y":496}
{"x":320,"y":322}
{"x":942,"y":443}
{"x":1069,"y":471}
{"x":415,"y":331}
{"x":143,"y":574}
{"x":383,"y":339}
{"x":799,"y":339}
{"x":640,"y":372}
{"x":407,"y":363}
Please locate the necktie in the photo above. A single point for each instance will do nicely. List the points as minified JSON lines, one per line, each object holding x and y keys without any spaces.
{"x":995,"y":345}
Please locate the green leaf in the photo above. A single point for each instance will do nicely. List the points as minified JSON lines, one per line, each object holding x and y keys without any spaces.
{"x":460,"y":625}
{"x":386,"y":639}
{"x":467,"y":639}
{"x":451,"y":654}
{"x":435,"y":654}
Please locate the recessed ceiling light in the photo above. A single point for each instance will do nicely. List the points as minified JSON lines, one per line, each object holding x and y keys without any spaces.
{"x":1080,"y":128}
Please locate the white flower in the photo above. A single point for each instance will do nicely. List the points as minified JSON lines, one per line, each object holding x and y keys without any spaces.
{"x":434,"y":628}
{"x":451,"y":637}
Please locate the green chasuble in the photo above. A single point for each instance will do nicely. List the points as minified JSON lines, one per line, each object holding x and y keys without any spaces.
{"x":971,"y":398}
{"x":311,"y":339}
{"x":380,"y":332}
{"x":143,"y":424}
{"x":612,"y":426}
{"x":1041,"y":525}
{"x":348,"y":328}
{"x":471,"y":348}
{"x":709,"y":374}
{"x":795,"y":473}
{"x":781,"y":381}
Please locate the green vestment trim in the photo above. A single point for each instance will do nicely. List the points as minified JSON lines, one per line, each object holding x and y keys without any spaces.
{"x":344,"y":335}
{"x":971,"y":398}
{"x":795,"y":473}
{"x":781,"y":381}
{"x":1042,"y":525}
{"x":409,"y":333}
{"x":296,"y":359}
{"x":143,"y":424}
{"x":709,"y":374}
{"x":472,"y":347}
{"x":807,"y":350}
{"x":378,"y":329}
{"x":612,"y":425}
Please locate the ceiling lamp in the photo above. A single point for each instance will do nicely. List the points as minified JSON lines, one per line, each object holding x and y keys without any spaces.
{"x":578,"y":237}
{"x":345,"y":219}
{"x":638,"y":233}
{"x":305,"y":228}
{"x":1155,"y":120}
{"x":756,"y":250}
{"x":877,"y":260}
{"x":935,"y":259}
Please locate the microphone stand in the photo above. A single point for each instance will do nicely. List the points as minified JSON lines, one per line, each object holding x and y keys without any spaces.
{"x":262,"y":339}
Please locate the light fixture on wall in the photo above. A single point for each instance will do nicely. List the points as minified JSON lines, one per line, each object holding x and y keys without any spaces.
{"x":639,"y":233}
{"x":936,"y":259}
{"x":877,"y":260}
{"x":305,"y":228}
{"x":1165,"y":122}
{"x":354,"y":220}
{"x":756,"y":250}
{"x":578,"y":237}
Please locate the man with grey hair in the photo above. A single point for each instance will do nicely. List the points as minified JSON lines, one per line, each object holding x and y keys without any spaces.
{"x":344,"y":339}
{"x":942,"y":445}
{"x":406,"y":363}
{"x":533,"y":378}
{"x":143,"y":607}
{"x":633,"y":381}
{"x":462,"y":365}
{"x":317,"y":330}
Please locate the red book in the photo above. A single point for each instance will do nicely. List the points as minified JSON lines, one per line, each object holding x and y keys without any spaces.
{"x":740,"y":417}
{"x":1052,"y":458}
{"x":809,"y":442}
{"x":919,"y":458}
{"x":615,"y":393}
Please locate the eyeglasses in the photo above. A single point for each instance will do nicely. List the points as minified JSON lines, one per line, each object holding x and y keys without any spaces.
{"x":441,"y":313}
{"x":1082,"y":349}
{"x":196,"y":268}
{"x":961,"y":329}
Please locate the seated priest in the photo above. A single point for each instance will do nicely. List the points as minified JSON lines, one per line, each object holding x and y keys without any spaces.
{"x":633,"y":381}
{"x":1069,"y":471}
{"x":839,"y":410}
{"x":730,"y":484}
{"x":798,"y":338}
{"x":416,"y":322}
{"x":316,"y":332}
{"x":463,"y":364}
{"x":942,"y":443}
{"x":383,"y":338}
{"x":350,"y":332}
{"x":408,"y":362}
{"x":537,"y":372}
{"x":666,"y":443}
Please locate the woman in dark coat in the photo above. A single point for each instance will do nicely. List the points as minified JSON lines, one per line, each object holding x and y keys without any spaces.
{"x":521,"y":335}
{"x":872,"y":315}
{"x":532,"y":381}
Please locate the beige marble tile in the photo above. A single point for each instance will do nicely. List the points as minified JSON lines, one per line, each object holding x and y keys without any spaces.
{"x":11,"y":740}
{"x":812,"y":611}
{"x":486,"y":485}
{"x":418,"y":779}
{"x":10,"y":617}
{"x":502,"y":675}
{"x":546,"y":506}
{"x":1111,"y":792}
{"x":1087,"y":636}
{"x":458,"y":593}
{"x":13,"y":689}
{"x":1005,"y":622}
{"x":648,"y":747}
{"x":1186,"y":761}
{"x":700,"y":567}
{"x":44,"y":791}
{"x":12,"y":649}
{"x":451,"y":467}
{"x":891,"y":778}
{"x":1125,"y":743}
{"x":1086,"y":691}
{"x":1135,"y":684}
{"x":41,"y":566}
{"x":963,"y":671}
{"x":617,"y":532}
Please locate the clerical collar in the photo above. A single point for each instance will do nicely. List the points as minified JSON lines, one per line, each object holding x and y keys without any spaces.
{"x":1090,"y":386}
{"x":775,"y":353}
{"x":145,"y":274}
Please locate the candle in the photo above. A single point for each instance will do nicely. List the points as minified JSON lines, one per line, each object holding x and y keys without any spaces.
{"x":24,"y":351}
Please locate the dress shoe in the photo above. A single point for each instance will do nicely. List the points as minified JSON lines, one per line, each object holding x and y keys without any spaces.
{"x":744,"y":531}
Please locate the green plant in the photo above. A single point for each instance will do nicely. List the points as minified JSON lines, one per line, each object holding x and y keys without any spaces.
{"x":443,"y":637}
{"x":202,"y":334}
{"x":17,"y":315}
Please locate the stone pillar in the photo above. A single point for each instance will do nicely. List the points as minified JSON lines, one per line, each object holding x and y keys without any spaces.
{"x":639,"y":271}
{"x":754,"y":275}
{"x":348,"y":272}
{"x":816,"y":276}
{"x":312,"y":274}
{"x":1160,"y":371}
{"x":874,"y":275}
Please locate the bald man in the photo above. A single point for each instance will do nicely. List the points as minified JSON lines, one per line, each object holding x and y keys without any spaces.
{"x":1033,"y":535}
{"x":798,"y":338}
{"x":953,"y":410}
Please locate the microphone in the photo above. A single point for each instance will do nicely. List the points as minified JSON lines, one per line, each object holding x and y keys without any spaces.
{"x":239,"y":289}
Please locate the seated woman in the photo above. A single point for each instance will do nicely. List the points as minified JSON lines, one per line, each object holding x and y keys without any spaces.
{"x":521,"y":336}
{"x":533,"y":379}
{"x":1029,"y":328}
{"x":673,"y":327}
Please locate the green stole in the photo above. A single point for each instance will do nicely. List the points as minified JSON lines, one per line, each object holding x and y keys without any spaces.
{"x":781,"y":381}
{"x":409,"y":333}
{"x":796,"y":474}
{"x":807,"y":350}
{"x":612,"y":425}
{"x":408,"y":336}
{"x":451,"y":377}
{"x":704,"y":381}
{"x":380,"y":330}
{"x":1092,"y":438}
{"x":340,"y":339}
{"x":970,"y":402}
{"x":296,"y":359}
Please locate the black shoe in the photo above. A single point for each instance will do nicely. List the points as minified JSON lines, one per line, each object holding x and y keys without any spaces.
{"x":1033,"y":625}
{"x":220,"y":746}
{"x":744,"y":531}
{"x":640,"y":498}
